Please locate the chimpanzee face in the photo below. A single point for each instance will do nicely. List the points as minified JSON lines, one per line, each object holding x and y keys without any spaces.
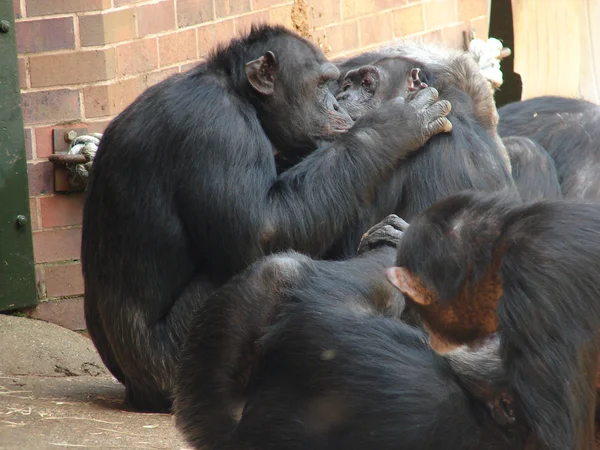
{"x":359,"y":91}
{"x":295,"y":105}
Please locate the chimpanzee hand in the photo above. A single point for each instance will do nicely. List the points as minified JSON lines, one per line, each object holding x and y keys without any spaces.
{"x":387,"y":232}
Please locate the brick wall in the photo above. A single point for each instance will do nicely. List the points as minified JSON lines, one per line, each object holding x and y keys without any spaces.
{"x":83,"y":61}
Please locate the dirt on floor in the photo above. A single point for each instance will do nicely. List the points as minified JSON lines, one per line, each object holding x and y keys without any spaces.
{"x":55,"y":392}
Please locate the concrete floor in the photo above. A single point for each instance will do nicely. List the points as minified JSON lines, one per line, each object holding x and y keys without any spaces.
{"x":55,"y":392}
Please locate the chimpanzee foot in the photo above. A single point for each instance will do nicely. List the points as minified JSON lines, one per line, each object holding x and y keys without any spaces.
{"x":387,"y":232}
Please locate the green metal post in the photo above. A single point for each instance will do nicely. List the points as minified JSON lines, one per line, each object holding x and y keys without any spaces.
{"x":17,"y":270}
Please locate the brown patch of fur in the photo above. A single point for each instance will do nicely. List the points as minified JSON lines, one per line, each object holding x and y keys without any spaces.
{"x":467,"y":317}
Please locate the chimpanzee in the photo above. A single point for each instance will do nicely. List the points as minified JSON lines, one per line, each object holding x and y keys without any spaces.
{"x":296,"y":353}
{"x":569,"y":130}
{"x":532,"y":169}
{"x":476,"y":264}
{"x":471,"y":157}
{"x":187,"y":178}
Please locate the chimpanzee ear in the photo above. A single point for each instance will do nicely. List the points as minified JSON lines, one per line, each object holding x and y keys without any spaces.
{"x":261,"y":73}
{"x":369,"y":75}
{"x":410,"y":285}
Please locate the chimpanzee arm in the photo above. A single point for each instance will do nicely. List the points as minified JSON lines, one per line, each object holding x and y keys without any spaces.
{"x":235,"y":183}
{"x":313,"y":202}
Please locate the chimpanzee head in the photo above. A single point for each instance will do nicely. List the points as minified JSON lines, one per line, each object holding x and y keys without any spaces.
{"x":289,"y":90}
{"x":366,"y":87}
{"x":448,"y":267}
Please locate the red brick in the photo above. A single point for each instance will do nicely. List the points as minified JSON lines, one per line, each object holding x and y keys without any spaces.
{"x":63,"y":280}
{"x":225,"y":8}
{"x":453,"y":36}
{"x":210,"y":35}
{"x":67,"y":313}
{"x":41,"y":178}
{"x":56,"y":245}
{"x":17,"y":9}
{"x":157,"y":76}
{"x":324,"y":13}
{"x":111,"y":99}
{"x":44,"y":142}
{"x":389,"y":4}
{"x":281,"y":15}
{"x":343,"y":37}
{"x":177,"y":47}
{"x":376,"y":29}
{"x":137,"y":57}
{"x":480,"y":27}
{"x":469,"y":9}
{"x":28,"y":143}
{"x":243,"y":23}
{"x":192,"y":12}
{"x":264,"y":4}
{"x":33,"y":213}
{"x":107,"y":28}
{"x":45,"y":7}
{"x":43,"y":35}
{"x":188,"y":66}
{"x":119,"y":3}
{"x":72,"y":68}
{"x":156,"y":17}
{"x":61,"y":210}
{"x":23,"y":73}
{"x":50,"y":106}
{"x":433,"y":37}
{"x":439,"y":13}
{"x":408,"y":20}
{"x":98,"y":126}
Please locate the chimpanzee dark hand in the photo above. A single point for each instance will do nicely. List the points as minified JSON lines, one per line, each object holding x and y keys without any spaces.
{"x":407,"y":125}
{"x":387,"y":232}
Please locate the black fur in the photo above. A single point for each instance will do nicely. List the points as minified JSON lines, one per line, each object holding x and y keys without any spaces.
{"x":470,"y":157}
{"x":549,"y":312}
{"x":185,"y":192}
{"x":569,"y":130}
{"x":532,"y":169}
{"x":306,"y":346}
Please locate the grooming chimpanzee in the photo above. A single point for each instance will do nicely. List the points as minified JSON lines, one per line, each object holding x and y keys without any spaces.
{"x":296,"y":353}
{"x":475,"y":264}
{"x":532,"y":169}
{"x":471,"y":157}
{"x":569,"y":130}
{"x":187,"y":178}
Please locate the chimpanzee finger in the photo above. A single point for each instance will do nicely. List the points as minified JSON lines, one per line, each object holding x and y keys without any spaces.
{"x":386,"y":235}
{"x":425,"y":98}
{"x":440,"y":125}
{"x":394,"y":221}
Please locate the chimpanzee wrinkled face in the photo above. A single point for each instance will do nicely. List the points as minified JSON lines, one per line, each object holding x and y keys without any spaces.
{"x":296,"y":107}
{"x":360,"y":91}
{"x":366,"y":87}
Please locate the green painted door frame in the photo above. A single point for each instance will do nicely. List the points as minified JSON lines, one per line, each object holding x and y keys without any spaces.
{"x":17,"y":270}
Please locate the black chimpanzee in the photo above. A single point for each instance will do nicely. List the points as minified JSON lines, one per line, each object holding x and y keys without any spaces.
{"x":569,"y":130}
{"x":471,"y":157}
{"x":187,"y":178}
{"x":301,"y":354}
{"x":533,"y":170}
{"x":477,"y":264}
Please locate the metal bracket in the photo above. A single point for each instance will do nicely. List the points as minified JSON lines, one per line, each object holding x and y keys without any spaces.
{"x":63,"y":180}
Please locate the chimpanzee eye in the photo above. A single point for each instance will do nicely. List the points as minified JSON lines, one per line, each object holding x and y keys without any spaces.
{"x":366,"y":82}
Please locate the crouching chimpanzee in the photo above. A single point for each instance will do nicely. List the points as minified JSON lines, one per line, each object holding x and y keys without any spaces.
{"x":569,"y":130}
{"x":187,"y":178}
{"x":471,"y":157}
{"x":297,"y":354}
{"x":476,"y":264}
